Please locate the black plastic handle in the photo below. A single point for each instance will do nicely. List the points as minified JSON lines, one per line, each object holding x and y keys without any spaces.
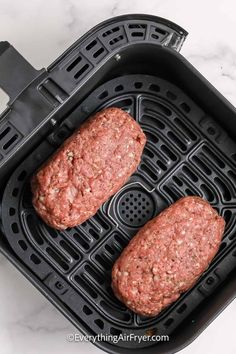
{"x":15,"y":72}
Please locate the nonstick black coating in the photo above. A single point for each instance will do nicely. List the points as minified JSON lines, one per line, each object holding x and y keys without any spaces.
{"x":180,"y":158}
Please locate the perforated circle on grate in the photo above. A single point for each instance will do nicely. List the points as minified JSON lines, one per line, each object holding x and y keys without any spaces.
{"x":135,"y":207}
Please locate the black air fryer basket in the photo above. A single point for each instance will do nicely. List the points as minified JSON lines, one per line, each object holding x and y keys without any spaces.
{"x":131,"y":62}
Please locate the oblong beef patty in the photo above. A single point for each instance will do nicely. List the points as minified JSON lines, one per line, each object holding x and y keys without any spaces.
{"x":91,"y":165}
{"x":167,"y":256}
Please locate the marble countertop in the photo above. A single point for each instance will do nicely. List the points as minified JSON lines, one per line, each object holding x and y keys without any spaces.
{"x":41,"y":30}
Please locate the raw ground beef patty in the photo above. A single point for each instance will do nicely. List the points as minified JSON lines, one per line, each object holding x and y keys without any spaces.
{"x":91,"y":165}
{"x":167,"y":256}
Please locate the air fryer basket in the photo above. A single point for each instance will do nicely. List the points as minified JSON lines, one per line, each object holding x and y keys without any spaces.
{"x":129,"y":62}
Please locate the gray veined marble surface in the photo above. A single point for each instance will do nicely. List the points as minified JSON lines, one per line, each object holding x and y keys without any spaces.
{"x":43,"y":29}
